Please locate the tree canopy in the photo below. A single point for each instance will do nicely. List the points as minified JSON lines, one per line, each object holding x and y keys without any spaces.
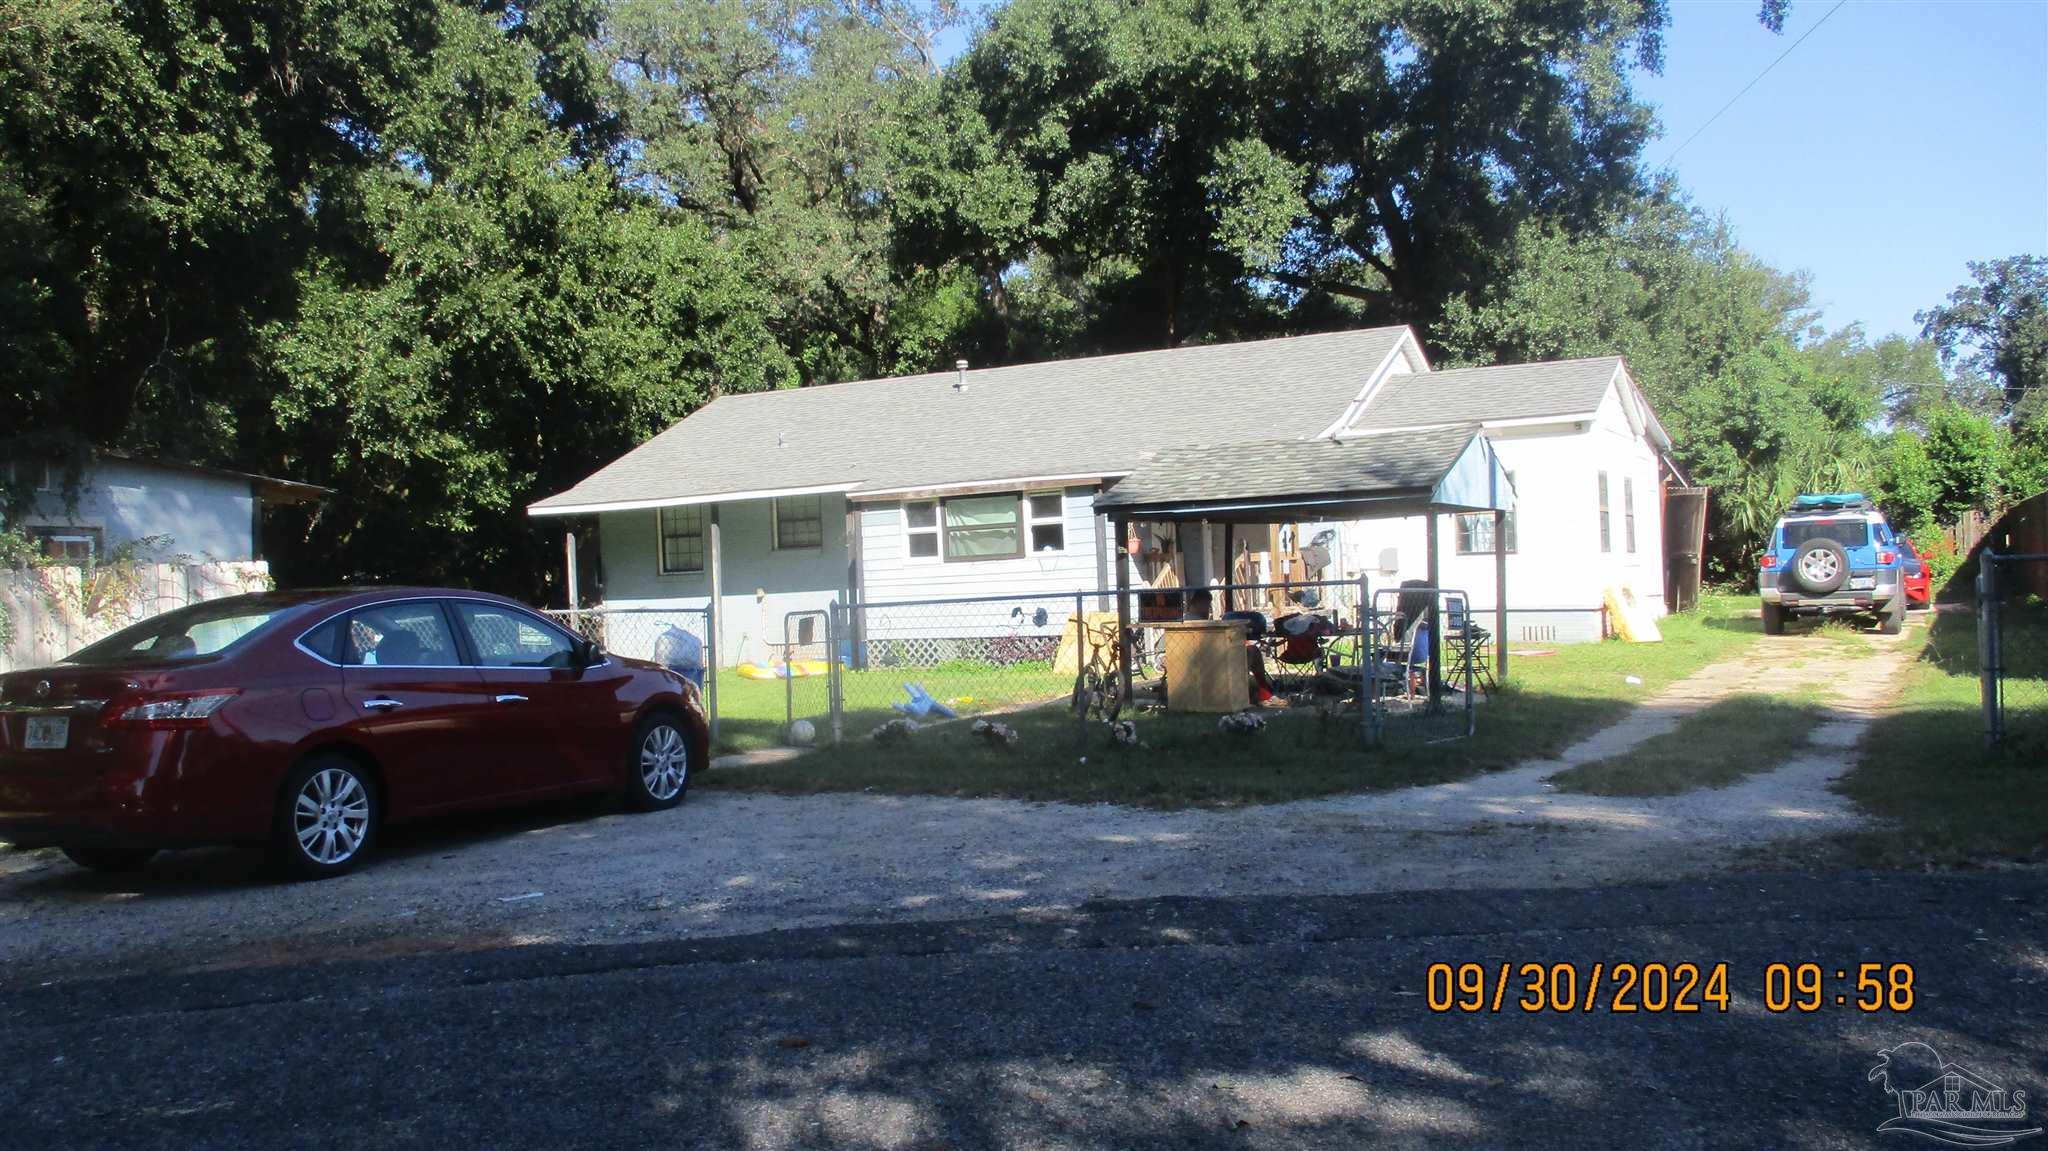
{"x":447,"y":256}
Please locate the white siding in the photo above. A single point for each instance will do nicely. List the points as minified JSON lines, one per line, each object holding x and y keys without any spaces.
{"x":1557,"y":562}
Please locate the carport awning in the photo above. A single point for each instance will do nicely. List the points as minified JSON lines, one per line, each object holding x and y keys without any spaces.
{"x":1383,"y":475}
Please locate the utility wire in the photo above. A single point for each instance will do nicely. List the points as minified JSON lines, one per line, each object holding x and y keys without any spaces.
{"x":1753,"y":83}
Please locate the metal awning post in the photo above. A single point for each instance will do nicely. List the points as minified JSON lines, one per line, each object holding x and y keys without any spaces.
{"x":1500,"y":595}
{"x":1436,"y":630}
{"x":1122,"y":529}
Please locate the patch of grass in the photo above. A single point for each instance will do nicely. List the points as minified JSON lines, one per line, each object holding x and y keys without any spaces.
{"x":752,"y":712}
{"x":1716,"y":746}
{"x":1945,"y":798}
{"x":1550,"y":702}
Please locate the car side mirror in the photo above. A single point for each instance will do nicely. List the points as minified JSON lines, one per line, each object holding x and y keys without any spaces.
{"x":588,"y":654}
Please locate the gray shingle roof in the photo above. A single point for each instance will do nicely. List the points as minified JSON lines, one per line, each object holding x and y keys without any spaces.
{"x":1378,"y":465}
{"x":1067,"y":417}
{"x":1508,"y":392}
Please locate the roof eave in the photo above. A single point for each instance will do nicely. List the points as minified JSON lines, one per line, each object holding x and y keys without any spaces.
{"x":549,"y":508}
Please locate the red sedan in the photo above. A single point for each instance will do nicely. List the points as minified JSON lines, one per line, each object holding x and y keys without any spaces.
{"x":1919,"y":582}
{"x":307,"y":721}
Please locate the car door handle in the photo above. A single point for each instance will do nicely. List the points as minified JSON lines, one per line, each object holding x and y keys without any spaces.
{"x":382,"y":704}
{"x":511,"y":699}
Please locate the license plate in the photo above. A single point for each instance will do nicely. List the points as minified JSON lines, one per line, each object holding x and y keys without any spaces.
{"x":47,"y":732}
{"x":1862,"y":583}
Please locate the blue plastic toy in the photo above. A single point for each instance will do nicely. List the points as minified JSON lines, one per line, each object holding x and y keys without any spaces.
{"x":922,"y":704}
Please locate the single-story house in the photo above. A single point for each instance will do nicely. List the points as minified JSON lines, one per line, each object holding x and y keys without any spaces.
{"x":210,"y":515}
{"x":983,"y":482}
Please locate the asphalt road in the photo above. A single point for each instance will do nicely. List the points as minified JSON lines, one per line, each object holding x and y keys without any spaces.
{"x":1238,"y":1023}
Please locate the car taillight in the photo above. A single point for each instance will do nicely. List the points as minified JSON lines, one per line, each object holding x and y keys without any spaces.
{"x":1887,"y":558}
{"x":176,"y":709}
{"x":1769,"y":560}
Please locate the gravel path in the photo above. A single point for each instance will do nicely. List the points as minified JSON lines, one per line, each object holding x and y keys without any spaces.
{"x":728,"y":863}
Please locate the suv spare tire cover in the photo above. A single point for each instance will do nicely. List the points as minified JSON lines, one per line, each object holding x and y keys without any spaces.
{"x":1821,"y":566}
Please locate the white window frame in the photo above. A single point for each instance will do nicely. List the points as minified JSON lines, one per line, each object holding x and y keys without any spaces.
{"x":1058,"y":519}
{"x":45,"y":535}
{"x":1606,"y":520}
{"x":775,"y":525}
{"x":936,"y":531}
{"x":703,"y":533}
{"x":1628,"y":514}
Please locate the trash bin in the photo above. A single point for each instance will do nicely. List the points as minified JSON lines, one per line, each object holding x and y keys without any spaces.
{"x":682,"y":653}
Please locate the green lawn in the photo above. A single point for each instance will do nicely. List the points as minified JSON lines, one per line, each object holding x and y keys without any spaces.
{"x":1946,"y":800}
{"x":1718,"y":745}
{"x":1551,"y":701}
{"x":751,"y":712}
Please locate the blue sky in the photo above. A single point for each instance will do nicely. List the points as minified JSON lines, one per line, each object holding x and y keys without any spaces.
{"x":1899,"y":142}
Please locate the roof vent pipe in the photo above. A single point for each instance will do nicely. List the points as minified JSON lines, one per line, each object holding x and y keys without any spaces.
{"x":960,"y":382}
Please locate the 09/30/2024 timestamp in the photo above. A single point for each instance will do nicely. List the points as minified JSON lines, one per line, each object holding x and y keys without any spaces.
{"x":1661,"y":988}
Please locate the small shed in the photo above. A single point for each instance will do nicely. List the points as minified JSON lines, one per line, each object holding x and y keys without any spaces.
{"x":1383,"y":475}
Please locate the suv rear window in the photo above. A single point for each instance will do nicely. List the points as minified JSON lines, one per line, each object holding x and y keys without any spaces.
{"x":1850,"y":533}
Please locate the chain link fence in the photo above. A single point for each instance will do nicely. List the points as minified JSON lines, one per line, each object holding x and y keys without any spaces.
{"x":2012,"y":648}
{"x":933,"y":660}
{"x":842,"y":672}
{"x":681,"y":638}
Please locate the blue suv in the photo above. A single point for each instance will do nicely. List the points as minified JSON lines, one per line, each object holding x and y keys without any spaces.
{"x":1833,"y":554}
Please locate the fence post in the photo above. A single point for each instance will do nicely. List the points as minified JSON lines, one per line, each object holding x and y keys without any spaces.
{"x":833,"y":697}
{"x":1081,"y":666}
{"x":788,"y":679}
{"x":1988,"y":655}
{"x":711,"y":666}
{"x":1472,"y":657}
{"x":1369,"y":663}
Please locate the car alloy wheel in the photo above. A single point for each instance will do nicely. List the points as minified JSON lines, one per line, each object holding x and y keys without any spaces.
{"x":331,"y":816}
{"x":664,"y":762}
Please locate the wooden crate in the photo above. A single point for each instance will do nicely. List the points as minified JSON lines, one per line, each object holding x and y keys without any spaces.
{"x":1206,"y":666}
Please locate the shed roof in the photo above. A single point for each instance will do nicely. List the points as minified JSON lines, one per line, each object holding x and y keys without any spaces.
{"x":1065,"y":419}
{"x":1383,"y":474}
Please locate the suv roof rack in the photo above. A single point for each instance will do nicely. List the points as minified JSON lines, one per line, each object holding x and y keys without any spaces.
{"x":1831,"y":502}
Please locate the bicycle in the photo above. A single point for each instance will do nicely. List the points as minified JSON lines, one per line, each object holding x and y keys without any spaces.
{"x":1098,"y":689}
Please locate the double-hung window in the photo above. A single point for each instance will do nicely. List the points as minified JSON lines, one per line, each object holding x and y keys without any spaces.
{"x":1628,"y":514}
{"x":799,"y":523}
{"x":1475,"y":534}
{"x":965,"y":529}
{"x":1606,"y":521}
{"x":983,"y":527}
{"x":682,"y":540}
{"x":921,"y":529}
{"x":1047,"y":519}
{"x":1475,"y":531}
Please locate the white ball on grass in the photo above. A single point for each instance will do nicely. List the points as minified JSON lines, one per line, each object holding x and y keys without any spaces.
{"x":801,"y":733}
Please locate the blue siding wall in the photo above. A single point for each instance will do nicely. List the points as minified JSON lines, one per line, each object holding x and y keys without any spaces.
{"x":762,"y":585}
{"x":209,"y":518}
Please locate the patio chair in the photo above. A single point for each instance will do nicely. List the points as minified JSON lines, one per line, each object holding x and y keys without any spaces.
{"x":1407,"y":664}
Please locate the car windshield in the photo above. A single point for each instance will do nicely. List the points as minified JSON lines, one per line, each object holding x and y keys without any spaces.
{"x":1850,"y":533}
{"x":189,"y":633}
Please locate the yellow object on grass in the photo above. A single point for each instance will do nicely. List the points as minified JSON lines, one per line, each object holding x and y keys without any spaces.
{"x":1632,"y":617}
{"x":798,"y":670}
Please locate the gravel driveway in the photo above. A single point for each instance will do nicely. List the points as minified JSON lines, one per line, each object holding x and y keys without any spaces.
{"x":727,"y":863}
